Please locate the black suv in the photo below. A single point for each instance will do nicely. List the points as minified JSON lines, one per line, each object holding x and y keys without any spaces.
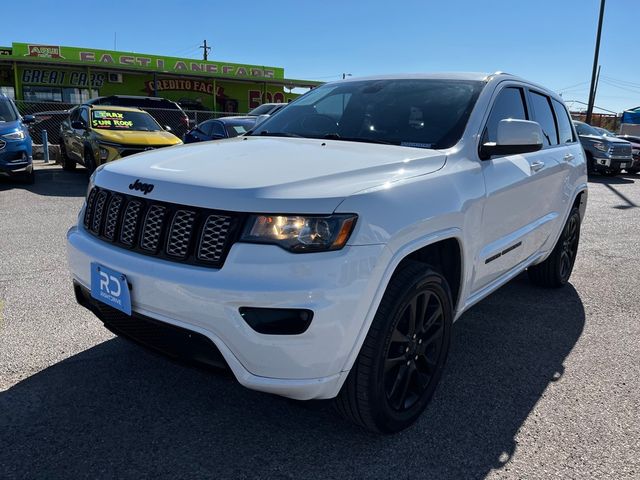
{"x":167,"y":113}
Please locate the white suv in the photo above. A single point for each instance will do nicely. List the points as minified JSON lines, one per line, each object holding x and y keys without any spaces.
{"x":327,"y":253}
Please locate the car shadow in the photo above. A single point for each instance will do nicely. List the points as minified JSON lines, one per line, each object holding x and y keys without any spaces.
{"x":617,"y":180}
{"x":116,"y":410}
{"x":53,"y":182}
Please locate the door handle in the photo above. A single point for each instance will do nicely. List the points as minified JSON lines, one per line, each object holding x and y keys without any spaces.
{"x":568,"y":157}
{"x":536,"y":166}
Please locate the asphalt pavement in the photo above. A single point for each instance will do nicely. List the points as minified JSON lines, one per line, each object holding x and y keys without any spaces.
{"x":539,"y":383}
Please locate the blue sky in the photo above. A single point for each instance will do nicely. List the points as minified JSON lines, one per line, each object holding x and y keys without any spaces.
{"x":547,"y":41}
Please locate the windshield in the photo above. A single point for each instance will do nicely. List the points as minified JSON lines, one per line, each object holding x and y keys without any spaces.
{"x":584,"y":129}
{"x":263,"y":109}
{"x":123,"y":120}
{"x":424,"y":113}
{"x":7,"y":113}
{"x":604,"y":132}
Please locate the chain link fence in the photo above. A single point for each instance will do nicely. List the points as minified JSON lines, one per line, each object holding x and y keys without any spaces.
{"x":50,"y":115}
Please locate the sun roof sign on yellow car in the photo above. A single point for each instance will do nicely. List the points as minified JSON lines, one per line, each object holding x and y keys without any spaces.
{"x":93,"y":135}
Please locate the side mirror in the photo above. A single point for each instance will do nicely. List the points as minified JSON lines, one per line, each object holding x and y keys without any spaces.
{"x":167,"y":128}
{"x":514,"y":137}
{"x":78,"y":125}
{"x":28,"y":119}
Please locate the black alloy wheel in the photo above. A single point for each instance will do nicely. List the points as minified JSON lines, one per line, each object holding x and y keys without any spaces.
{"x":414,"y":350}
{"x":570,"y":238}
{"x":556,"y":270}
{"x":404,"y":353}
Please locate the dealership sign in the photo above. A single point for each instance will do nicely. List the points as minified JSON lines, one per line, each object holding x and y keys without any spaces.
{"x":109,"y":58}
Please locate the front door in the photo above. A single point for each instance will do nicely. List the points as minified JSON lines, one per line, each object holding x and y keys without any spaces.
{"x":523,"y":192}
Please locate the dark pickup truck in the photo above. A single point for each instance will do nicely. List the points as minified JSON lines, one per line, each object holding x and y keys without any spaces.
{"x":606,"y":155}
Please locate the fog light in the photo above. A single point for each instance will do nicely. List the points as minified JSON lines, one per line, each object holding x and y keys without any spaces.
{"x":104,"y":153}
{"x":277,"y":321}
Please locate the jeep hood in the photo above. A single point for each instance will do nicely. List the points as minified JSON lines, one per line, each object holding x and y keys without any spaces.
{"x":267,"y":174}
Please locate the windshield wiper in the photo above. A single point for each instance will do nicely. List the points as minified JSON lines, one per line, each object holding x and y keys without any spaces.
{"x":267,"y":133}
{"x":336,"y":136}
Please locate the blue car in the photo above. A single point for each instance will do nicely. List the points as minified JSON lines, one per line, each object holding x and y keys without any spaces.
{"x":226,"y":127}
{"x":15,"y":142}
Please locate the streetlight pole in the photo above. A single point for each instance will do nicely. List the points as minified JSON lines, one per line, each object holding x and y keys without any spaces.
{"x":592,"y":89}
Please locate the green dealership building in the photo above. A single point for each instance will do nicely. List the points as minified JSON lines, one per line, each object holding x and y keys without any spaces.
{"x":72,"y":75}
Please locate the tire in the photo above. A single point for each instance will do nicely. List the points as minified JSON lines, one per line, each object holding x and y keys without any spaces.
{"x":591,"y":165}
{"x":399,"y":367}
{"x":68,"y":164}
{"x":89,"y":161}
{"x":556,"y":270}
{"x":29,"y":178}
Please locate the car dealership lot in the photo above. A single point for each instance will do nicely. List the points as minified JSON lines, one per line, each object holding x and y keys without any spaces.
{"x":539,"y":383}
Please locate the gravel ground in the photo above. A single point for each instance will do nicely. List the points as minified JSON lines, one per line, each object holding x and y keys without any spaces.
{"x":540,"y":384}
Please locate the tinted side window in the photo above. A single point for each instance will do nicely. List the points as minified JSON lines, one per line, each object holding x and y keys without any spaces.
{"x":564,"y":122}
{"x":509,"y":104}
{"x":542,"y":113}
{"x":217,"y":129}
{"x":84,"y":116}
{"x":205,"y":127}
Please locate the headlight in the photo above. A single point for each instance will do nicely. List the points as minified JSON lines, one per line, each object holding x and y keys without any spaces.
{"x":19,"y":135}
{"x":601,"y":146}
{"x":300,"y":234}
{"x":635,"y":151}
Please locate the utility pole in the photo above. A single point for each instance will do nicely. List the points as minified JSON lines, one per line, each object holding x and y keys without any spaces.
{"x":205,"y":53}
{"x":592,"y":90}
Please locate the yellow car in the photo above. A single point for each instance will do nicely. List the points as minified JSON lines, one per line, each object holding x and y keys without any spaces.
{"x":96,"y":134}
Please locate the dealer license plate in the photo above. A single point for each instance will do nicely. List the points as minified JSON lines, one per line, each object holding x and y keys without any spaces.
{"x":110,"y":287}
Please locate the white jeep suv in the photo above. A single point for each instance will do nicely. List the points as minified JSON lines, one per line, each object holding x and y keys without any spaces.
{"x":327,"y":253}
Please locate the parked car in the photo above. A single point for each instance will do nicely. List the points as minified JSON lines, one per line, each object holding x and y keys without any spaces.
{"x":327,"y":253}
{"x":166,"y":112}
{"x":16,"y":160}
{"x":50,"y":121}
{"x":227,"y":127}
{"x":95,"y":134}
{"x":606,"y":155}
{"x":266,"y":109}
{"x":635,"y":151}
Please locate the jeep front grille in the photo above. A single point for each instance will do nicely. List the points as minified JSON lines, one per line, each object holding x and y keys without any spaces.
{"x":177,"y":233}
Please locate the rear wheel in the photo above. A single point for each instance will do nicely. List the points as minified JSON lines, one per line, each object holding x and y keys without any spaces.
{"x":403,"y":355}
{"x":67,"y":163}
{"x":555,"y":271}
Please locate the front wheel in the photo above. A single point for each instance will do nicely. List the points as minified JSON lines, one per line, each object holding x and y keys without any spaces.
{"x":68,"y":164}
{"x":555,"y":271}
{"x":403,"y":355}
{"x":89,"y":161}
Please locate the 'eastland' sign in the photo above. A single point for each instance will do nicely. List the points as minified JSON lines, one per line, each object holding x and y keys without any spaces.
{"x":177,"y":66}
{"x":142,"y":61}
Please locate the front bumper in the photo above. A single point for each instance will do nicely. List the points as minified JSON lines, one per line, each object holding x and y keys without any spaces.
{"x":11,"y":154}
{"x":337,"y":286}
{"x":616,"y":163}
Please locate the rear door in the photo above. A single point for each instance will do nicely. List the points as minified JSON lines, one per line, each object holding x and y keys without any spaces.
{"x":521,"y":200}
